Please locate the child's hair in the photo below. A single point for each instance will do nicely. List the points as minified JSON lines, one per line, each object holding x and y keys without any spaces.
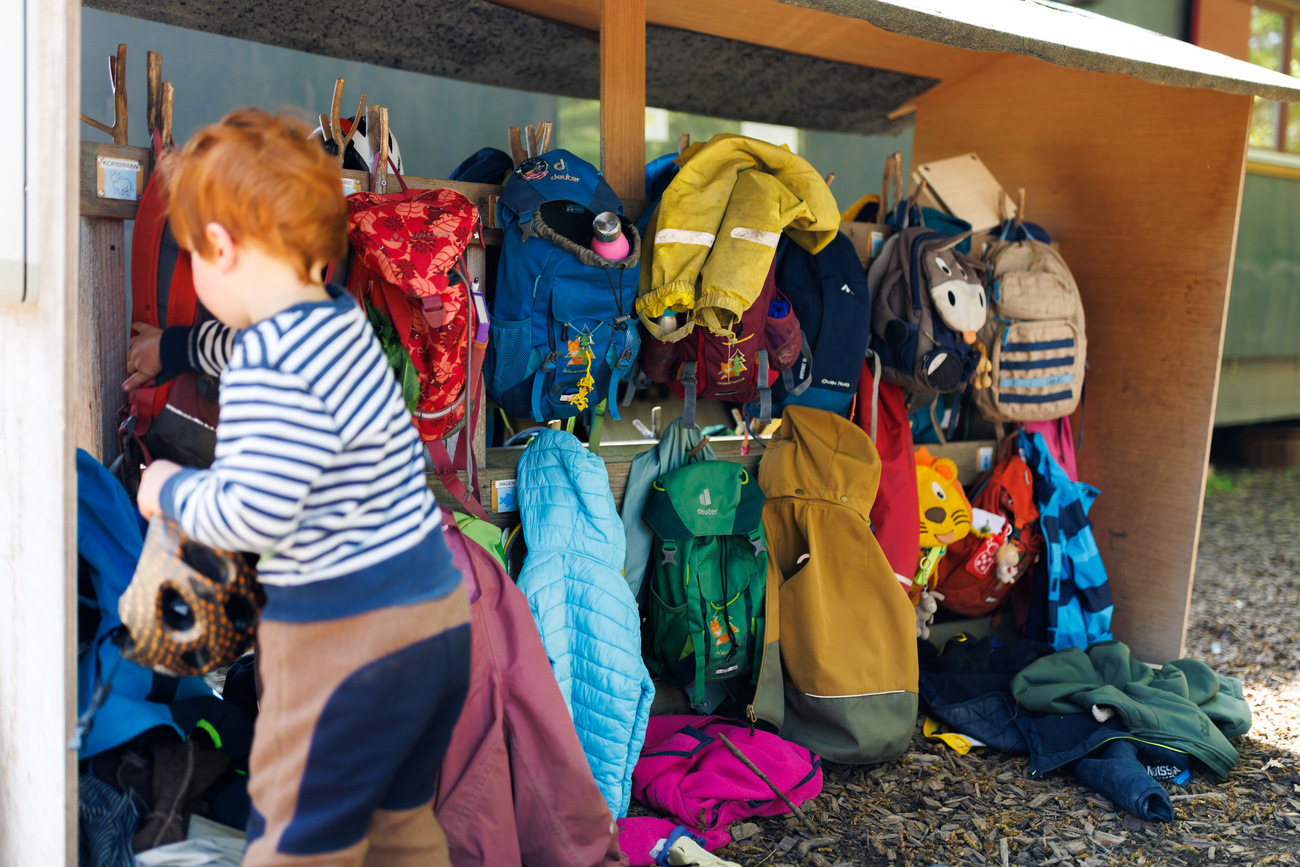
{"x":260,"y":177}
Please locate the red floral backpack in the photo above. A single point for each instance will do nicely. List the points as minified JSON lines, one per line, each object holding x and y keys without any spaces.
{"x":409,"y":272}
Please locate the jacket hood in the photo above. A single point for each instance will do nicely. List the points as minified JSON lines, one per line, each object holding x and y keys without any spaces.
{"x":818,"y":455}
{"x":565,"y":501}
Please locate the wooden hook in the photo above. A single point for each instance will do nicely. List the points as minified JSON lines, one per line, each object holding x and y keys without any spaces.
{"x":830,"y":179}
{"x":117,"y":80}
{"x":153,"y":94}
{"x":1020,"y":209}
{"x":377,"y":134}
{"x":165,"y":115}
{"x":334,"y":132}
{"x":517,"y":152}
{"x":356,"y":121}
{"x":683,"y":142}
{"x":546,"y":137}
{"x":326,"y":131}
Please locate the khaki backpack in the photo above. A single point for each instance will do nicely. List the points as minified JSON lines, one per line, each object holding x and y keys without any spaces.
{"x":1034,"y":334}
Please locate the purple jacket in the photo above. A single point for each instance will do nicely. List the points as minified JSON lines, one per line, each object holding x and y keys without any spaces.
{"x":515,"y":786}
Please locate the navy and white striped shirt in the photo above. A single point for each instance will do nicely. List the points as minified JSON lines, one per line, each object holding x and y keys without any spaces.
{"x":318,"y":467}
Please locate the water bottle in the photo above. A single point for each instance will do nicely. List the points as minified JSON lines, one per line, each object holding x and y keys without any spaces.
{"x":608,"y":239}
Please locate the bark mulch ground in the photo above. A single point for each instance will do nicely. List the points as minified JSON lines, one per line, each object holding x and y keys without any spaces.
{"x":935,"y":807}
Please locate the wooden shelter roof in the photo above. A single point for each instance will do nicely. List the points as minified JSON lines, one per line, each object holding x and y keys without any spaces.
{"x":835,"y":65}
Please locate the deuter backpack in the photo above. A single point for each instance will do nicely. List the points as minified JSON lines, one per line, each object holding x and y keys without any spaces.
{"x":409,"y":273}
{"x":1035,"y":333}
{"x":928,"y":306}
{"x":968,"y":574}
{"x":562,"y":331}
{"x":829,"y":296}
{"x":739,"y":369}
{"x":707,"y":571}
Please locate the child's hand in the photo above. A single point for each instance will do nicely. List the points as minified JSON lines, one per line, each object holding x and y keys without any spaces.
{"x":151,"y":485}
{"x":142,"y":360}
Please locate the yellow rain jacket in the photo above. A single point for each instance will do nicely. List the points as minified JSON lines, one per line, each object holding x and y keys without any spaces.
{"x":716,"y":228}
{"x":839,"y":672}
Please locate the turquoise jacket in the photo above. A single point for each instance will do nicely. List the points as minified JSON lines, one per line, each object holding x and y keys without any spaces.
{"x":1184,"y":706}
{"x":584,"y":610}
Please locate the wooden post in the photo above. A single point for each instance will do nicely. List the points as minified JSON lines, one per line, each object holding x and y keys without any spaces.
{"x":622,"y":96}
{"x":102,"y":332}
{"x":38,"y":526}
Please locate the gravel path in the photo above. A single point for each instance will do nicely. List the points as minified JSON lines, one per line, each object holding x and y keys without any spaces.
{"x":932,"y":806}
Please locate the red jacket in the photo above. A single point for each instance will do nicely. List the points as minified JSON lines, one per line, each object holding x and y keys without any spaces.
{"x":895,"y":513}
{"x":515,"y":786}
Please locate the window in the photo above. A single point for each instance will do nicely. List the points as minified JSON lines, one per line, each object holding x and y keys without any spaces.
{"x":1275,"y":45}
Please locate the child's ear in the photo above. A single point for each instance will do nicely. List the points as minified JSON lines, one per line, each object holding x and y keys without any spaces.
{"x":222,"y":247}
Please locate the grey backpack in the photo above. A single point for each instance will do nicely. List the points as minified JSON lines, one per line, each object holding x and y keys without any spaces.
{"x":1034,"y":334}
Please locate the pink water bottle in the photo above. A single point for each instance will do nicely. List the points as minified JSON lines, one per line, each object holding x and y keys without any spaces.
{"x":608,"y":239}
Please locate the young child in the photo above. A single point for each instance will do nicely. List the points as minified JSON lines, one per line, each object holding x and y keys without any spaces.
{"x":363,"y":645}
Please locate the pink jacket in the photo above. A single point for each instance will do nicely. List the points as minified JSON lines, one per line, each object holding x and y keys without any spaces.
{"x":687,"y":772}
{"x":514,"y":786}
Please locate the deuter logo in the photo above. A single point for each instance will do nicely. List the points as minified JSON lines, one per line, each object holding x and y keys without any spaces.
{"x":706,"y":500}
{"x":559,"y":166}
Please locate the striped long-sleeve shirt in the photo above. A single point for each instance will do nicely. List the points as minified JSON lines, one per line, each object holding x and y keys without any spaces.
{"x":317,"y":468}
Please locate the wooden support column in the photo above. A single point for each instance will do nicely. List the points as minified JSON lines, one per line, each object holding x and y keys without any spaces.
{"x":622,"y":96}
{"x":102,"y":332}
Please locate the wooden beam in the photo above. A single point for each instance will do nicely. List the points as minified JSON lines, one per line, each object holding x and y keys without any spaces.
{"x":102,"y":332}
{"x":1175,"y":158}
{"x":38,"y":525}
{"x":622,"y":96}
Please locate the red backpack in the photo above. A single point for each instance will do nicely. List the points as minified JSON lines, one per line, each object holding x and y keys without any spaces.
{"x":174,"y":418}
{"x":968,"y":573}
{"x":408,"y":270}
{"x":739,"y":370}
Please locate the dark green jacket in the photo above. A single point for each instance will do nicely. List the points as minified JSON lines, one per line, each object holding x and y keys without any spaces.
{"x":1185,"y":705}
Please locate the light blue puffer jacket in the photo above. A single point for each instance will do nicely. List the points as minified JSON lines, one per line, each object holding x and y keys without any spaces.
{"x":582,"y":605}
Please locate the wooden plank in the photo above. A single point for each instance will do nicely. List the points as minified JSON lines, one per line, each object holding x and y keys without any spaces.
{"x":1174,"y":158}
{"x":38,"y":782}
{"x":476,"y":193}
{"x":102,"y":333}
{"x":94,"y":205}
{"x":622,"y":96}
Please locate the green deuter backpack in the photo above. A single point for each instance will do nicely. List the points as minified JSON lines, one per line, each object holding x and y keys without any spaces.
{"x":707,"y":571}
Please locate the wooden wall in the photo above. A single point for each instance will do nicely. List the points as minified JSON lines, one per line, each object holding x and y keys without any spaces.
{"x":38,"y":800}
{"x":1141,"y":185}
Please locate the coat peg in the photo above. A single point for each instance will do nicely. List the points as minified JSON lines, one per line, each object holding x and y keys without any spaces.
{"x":153,"y":92}
{"x":117,"y":80}
{"x":326,"y":130}
{"x":517,"y":152}
{"x":356,"y":121}
{"x":530,"y":140}
{"x":334,"y":132}
{"x":830,"y":179}
{"x":377,"y":134}
{"x":683,"y":142}
{"x":165,"y":115}
{"x":1020,"y":209}
{"x":546,"y":137}
{"x":492,"y":212}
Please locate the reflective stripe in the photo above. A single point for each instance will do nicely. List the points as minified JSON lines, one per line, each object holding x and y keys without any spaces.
{"x":682,"y":236}
{"x":1040,"y":363}
{"x":1035,"y":398}
{"x":1067,"y":343}
{"x":758,"y":236}
{"x":1038,"y":382}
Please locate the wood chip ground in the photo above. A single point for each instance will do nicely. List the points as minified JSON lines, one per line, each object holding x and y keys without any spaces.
{"x":935,"y":807}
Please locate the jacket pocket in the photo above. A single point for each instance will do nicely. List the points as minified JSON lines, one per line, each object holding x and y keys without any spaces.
{"x":510,"y":355}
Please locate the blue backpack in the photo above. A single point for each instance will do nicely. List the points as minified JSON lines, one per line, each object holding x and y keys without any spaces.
{"x":830,"y":298}
{"x":563,"y":330}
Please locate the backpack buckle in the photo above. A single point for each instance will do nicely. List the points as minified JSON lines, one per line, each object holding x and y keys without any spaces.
{"x":551,"y":360}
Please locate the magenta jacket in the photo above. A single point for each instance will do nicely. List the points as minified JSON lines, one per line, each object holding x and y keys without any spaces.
{"x":515,"y":786}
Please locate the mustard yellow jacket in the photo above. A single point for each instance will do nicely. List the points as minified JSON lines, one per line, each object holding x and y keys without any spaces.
{"x":716,"y":228}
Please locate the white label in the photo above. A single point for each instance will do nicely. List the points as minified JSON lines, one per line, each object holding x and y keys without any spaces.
{"x":985,"y":458}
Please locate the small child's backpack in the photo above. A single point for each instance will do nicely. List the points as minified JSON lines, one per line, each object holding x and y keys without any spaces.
{"x":829,"y":296}
{"x":563,"y":334}
{"x":968,"y":573}
{"x":927,"y":301}
{"x":742,"y":369}
{"x":408,"y":271}
{"x":1035,"y":333}
{"x":707,"y":572}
